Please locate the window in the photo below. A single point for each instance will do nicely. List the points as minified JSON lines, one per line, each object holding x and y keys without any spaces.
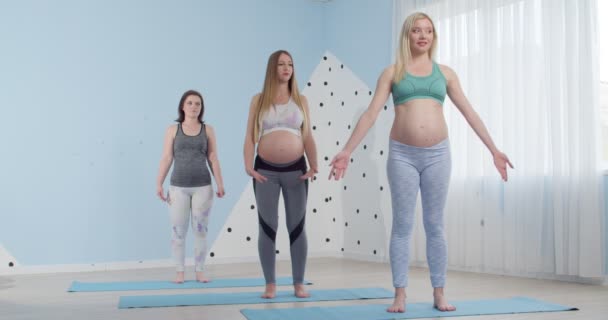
{"x":603,"y":61}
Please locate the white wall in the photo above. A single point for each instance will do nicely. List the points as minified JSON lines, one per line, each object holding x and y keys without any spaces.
{"x":346,"y":218}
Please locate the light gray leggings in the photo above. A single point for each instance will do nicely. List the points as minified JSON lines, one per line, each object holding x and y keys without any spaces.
{"x":285,"y":178}
{"x":409,"y":169}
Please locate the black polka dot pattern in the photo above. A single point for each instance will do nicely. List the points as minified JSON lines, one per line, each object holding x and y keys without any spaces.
{"x":338,"y":98}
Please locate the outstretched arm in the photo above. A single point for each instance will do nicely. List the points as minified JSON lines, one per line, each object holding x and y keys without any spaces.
{"x":464,"y":106}
{"x":366,"y":121}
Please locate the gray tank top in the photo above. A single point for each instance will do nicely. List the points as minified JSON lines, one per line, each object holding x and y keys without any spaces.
{"x":190,"y":159}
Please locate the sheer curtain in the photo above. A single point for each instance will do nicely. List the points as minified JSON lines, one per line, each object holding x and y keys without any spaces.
{"x":530,"y":69}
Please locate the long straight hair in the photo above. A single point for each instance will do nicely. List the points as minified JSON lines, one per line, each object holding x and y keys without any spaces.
{"x":404,"y":53}
{"x":269,"y":92}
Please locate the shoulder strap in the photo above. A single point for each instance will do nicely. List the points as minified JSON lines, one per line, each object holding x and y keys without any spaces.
{"x":204,"y":131}
{"x":179,"y":129}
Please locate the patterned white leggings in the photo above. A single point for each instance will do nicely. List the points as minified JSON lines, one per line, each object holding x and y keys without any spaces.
{"x":184,"y":202}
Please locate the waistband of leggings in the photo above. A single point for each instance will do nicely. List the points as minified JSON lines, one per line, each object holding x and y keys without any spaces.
{"x":443,"y":144}
{"x":296,"y":165}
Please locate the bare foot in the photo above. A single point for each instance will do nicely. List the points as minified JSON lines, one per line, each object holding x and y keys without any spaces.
{"x":179,"y":277}
{"x":270,"y":292}
{"x":299,"y":291}
{"x":440,"y":302}
{"x":200,"y":277}
{"x":399,"y":302}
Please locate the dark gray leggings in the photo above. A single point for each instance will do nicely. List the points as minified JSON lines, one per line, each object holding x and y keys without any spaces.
{"x":285,"y":178}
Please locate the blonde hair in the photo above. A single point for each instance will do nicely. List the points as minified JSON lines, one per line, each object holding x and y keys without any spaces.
{"x":269,"y":92}
{"x":404,"y":53}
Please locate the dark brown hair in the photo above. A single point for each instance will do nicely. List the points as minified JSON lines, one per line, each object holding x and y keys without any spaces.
{"x":180,"y":108}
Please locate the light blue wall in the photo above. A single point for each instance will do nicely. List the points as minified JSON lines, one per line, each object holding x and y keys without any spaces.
{"x":359,"y":33}
{"x":87,"y":89}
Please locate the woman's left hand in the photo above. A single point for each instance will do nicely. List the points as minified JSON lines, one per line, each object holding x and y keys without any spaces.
{"x":310,"y":174}
{"x":220,"y":192}
{"x":500,"y":161}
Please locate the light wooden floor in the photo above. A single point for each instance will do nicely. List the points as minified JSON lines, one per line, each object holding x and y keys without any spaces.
{"x":45,"y":296}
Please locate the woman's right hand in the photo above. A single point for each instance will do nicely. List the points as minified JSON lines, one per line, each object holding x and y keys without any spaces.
{"x":338,"y":165}
{"x":161,"y":193}
{"x":258,"y":177}
{"x":501,"y":161}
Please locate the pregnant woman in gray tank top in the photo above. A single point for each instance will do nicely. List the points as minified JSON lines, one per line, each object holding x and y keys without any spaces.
{"x":190,"y":145}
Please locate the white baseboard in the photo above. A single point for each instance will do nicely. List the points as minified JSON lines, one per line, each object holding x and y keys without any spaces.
{"x":92,"y":267}
{"x":168,"y":263}
{"x":530,"y":275}
{"x":144,"y":264}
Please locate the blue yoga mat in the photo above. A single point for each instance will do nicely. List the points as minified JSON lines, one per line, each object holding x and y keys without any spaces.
{"x":159,"y":285}
{"x":249,"y":298}
{"x":413,"y":310}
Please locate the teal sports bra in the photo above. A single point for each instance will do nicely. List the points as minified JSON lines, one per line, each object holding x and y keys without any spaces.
{"x":433,"y":86}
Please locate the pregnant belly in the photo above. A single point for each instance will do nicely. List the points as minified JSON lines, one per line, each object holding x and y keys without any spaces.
{"x":281,"y":147}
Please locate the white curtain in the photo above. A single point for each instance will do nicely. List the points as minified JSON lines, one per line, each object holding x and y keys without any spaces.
{"x":530,"y":69}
